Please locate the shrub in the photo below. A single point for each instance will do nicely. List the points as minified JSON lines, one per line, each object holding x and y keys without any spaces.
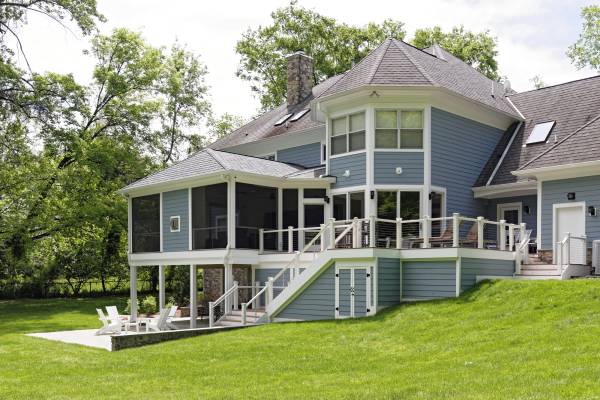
{"x":148,"y":305}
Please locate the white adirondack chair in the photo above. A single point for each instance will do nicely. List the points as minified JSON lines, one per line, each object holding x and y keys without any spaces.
{"x":172,"y":312}
{"x":108,"y":326}
{"x":160,"y":323}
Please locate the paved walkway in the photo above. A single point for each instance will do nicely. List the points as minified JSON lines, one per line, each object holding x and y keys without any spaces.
{"x":85,"y":337}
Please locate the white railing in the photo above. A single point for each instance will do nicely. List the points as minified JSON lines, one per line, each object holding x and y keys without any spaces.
{"x":230,"y":295}
{"x":254,"y":303}
{"x":572,"y":249}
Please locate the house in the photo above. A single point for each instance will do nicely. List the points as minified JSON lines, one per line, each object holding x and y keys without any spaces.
{"x":409,"y":177}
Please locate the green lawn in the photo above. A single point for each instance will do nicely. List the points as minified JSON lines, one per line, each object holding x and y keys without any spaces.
{"x":503,"y":340}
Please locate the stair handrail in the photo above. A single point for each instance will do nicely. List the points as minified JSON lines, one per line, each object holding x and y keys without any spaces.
{"x":212,"y":304}
{"x":252,"y":300}
{"x":560,"y":247}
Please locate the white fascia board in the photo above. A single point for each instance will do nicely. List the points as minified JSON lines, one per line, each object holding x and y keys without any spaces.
{"x":197,"y":257}
{"x":564,"y":171}
{"x":523,"y":188}
{"x":208,"y":179}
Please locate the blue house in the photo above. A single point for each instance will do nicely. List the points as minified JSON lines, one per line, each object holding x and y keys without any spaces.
{"x":409,"y":177}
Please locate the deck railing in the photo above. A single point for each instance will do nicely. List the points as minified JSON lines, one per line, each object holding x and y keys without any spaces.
{"x":572,"y":249}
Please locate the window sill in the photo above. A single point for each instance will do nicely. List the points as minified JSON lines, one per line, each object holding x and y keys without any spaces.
{"x":347,"y":154}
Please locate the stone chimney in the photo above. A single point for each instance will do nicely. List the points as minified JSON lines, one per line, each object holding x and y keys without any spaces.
{"x":299,"y":77}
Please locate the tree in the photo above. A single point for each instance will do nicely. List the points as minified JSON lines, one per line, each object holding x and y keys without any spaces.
{"x":334,"y":47}
{"x":184,"y":102}
{"x":537,"y":81}
{"x":586,"y":50}
{"x":476,"y":49}
{"x":217,"y":128}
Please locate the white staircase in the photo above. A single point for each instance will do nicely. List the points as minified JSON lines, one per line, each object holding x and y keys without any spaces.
{"x":234,"y":318}
{"x":539,"y":271}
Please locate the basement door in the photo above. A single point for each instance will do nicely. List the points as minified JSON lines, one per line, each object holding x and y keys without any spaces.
{"x":353,"y":292}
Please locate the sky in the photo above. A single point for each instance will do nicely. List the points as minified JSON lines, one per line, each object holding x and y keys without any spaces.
{"x":532,"y":35}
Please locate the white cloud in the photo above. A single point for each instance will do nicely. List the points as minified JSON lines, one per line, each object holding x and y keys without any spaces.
{"x":532,"y":34}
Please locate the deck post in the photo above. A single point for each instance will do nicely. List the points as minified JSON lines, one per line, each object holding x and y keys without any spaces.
{"x":455,"y":229}
{"x":290,"y":239}
{"x":228,"y":283}
{"x":502,"y":238}
{"x":511,"y":237}
{"x":269,"y":284}
{"x":261,"y":241}
{"x":372,"y":222}
{"x":161,"y":287}
{"x":480,"y":222}
{"x":398,"y":233}
{"x":193,"y":296}
{"x":426,"y":231}
{"x":133,"y":292}
{"x":211,"y":314}
{"x":331,"y":244}
{"x":244,"y":308}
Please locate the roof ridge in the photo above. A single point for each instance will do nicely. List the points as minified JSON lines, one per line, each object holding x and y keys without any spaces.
{"x":220,"y":162}
{"x":597,"y":117}
{"x":556,"y":85}
{"x":378,"y":64}
{"x":412,"y":60}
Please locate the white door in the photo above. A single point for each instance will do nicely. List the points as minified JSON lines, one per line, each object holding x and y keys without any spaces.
{"x":512,"y":214}
{"x":569,"y":217}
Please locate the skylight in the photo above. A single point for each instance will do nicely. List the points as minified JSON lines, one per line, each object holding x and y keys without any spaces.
{"x":282,"y":119}
{"x":299,"y":115}
{"x":540,"y":132}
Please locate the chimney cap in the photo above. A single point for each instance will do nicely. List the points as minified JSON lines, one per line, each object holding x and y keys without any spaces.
{"x":299,"y":52}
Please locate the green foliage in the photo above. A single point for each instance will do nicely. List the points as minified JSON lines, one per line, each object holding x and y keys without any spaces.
{"x":148,"y":305}
{"x":476,"y":49}
{"x":538,"y":82}
{"x":586,"y":50}
{"x":334,"y":47}
{"x":128,"y":307}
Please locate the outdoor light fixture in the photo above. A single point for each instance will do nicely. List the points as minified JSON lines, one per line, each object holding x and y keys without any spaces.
{"x":526,"y":210}
{"x":571,"y":196}
{"x":398,"y":170}
{"x":592,"y":211}
{"x":372,"y":194}
{"x":326,"y":199}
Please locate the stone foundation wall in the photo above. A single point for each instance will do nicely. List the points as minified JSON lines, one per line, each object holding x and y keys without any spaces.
{"x":213,"y":282}
{"x":547,"y":256}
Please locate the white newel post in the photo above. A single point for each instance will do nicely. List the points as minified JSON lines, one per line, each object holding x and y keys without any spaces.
{"x":211,"y":313}
{"x":372,"y":239}
{"x":256,"y":290}
{"x":161,"y":287}
{"x":193,"y":296}
{"x":228,"y":283}
{"x":502,"y":238}
{"x":359,"y":233}
{"x":323,"y":236}
{"x":455,"y":229}
{"x":511,"y":237}
{"x":331,"y":244}
{"x":261,"y":241}
{"x":290,"y":239}
{"x":269,"y":284}
{"x":133,"y":291}
{"x":236,"y":298}
{"x":480,"y":223}
{"x":426,"y":231}
{"x":398,"y":233}
{"x":244,"y":309}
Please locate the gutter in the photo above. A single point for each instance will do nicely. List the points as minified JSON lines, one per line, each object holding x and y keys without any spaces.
{"x":504,"y":153}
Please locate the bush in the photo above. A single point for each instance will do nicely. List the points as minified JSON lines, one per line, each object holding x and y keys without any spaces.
{"x":148,"y":305}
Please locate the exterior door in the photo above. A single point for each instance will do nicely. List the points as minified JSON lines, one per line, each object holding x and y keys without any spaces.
{"x":314,"y":216}
{"x":511,"y":213}
{"x":353,"y":287}
{"x":568,"y":218}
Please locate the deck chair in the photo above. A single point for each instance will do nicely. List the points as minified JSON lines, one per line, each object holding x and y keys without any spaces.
{"x":113,"y":314}
{"x":444,"y":239}
{"x":160,"y":323}
{"x":108,"y":326}
{"x":172,"y":312}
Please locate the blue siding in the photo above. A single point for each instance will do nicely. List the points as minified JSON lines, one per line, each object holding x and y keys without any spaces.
{"x":428,"y":279}
{"x":387,"y":162}
{"x":388,"y":281}
{"x":460,"y":149}
{"x":262,"y":275}
{"x":307,"y":155}
{"x":175,"y":204}
{"x":317,"y":301}
{"x":471,"y":267}
{"x":554,"y":192}
{"x":356,"y":163}
{"x":530,"y":219}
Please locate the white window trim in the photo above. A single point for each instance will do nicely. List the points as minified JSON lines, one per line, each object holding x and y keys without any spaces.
{"x":399,"y":127}
{"x":501,"y":207}
{"x":347,"y":194}
{"x":347,"y":134}
{"x":398,"y":192}
{"x":171,"y":219}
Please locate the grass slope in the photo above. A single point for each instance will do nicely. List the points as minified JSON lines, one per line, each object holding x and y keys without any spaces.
{"x":538,"y":340}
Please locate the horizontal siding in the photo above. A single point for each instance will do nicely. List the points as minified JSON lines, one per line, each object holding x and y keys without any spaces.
{"x":471,"y":267}
{"x":460,"y":148}
{"x":262,"y":275}
{"x":428,"y":279}
{"x":175,"y":204}
{"x":307,"y":155}
{"x":529,"y":219}
{"x":387,"y":162}
{"x":388,"y":281}
{"x":317,"y":301}
{"x":586,"y":189}
{"x":355,"y":163}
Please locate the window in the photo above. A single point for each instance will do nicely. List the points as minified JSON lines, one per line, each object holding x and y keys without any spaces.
{"x":299,"y":115}
{"x":349,"y":206}
{"x":256,"y":208}
{"x":386,"y":205}
{"x":399,"y":129}
{"x":174,"y":224}
{"x":209,"y":217}
{"x":315,"y":193}
{"x":394,"y":204}
{"x":145,"y":221}
{"x":339,"y":207}
{"x":357,"y":205}
{"x":348,"y":133}
{"x":282,"y":119}
{"x":540,"y":132}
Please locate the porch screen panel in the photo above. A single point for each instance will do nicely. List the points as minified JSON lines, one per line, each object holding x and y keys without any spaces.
{"x":145,"y":220}
{"x":256,"y":208}
{"x":209,"y":217}
{"x":290,"y":214}
{"x":409,"y":210}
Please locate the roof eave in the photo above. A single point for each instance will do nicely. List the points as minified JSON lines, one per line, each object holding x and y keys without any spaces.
{"x":561,"y":171}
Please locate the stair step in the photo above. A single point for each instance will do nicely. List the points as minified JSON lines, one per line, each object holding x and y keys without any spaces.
{"x":248,"y":313}
{"x":537,"y":277}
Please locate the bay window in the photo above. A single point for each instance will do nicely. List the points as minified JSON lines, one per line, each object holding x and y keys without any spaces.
{"x":398,"y":129}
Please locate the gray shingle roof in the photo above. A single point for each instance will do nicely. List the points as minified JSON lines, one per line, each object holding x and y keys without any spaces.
{"x":572,"y":105}
{"x":209,"y":161}
{"x":397,"y":63}
{"x":264,"y":126}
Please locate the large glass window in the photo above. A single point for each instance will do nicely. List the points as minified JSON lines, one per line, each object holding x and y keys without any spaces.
{"x":349,"y":205}
{"x":256,"y":208}
{"x":348,"y":133}
{"x":145,"y":221}
{"x":386,"y":205}
{"x":399,"y":129}
{"x":339,"y":207}
{"x":357,"y":205}
{"x":209,"y":217}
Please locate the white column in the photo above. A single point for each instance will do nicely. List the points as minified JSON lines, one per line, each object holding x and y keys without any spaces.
{"x":193,"y":296}
{"x":426,"y":202}
{"x":161,"y":287}
{"x":228,"y":283}
{"x":231,"y":212}
{"x":133,"y":291}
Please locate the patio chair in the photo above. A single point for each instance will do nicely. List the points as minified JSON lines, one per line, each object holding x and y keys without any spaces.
{"x":160,"y":323}
{"x":108,"y":326}
{"x":444,"y":239}
{"x":172,"y":312}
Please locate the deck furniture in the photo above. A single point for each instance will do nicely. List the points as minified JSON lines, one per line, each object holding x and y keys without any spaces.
{"x":160,"y":323}
{"x":172,"y":312}
{"x":109,"y":326}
